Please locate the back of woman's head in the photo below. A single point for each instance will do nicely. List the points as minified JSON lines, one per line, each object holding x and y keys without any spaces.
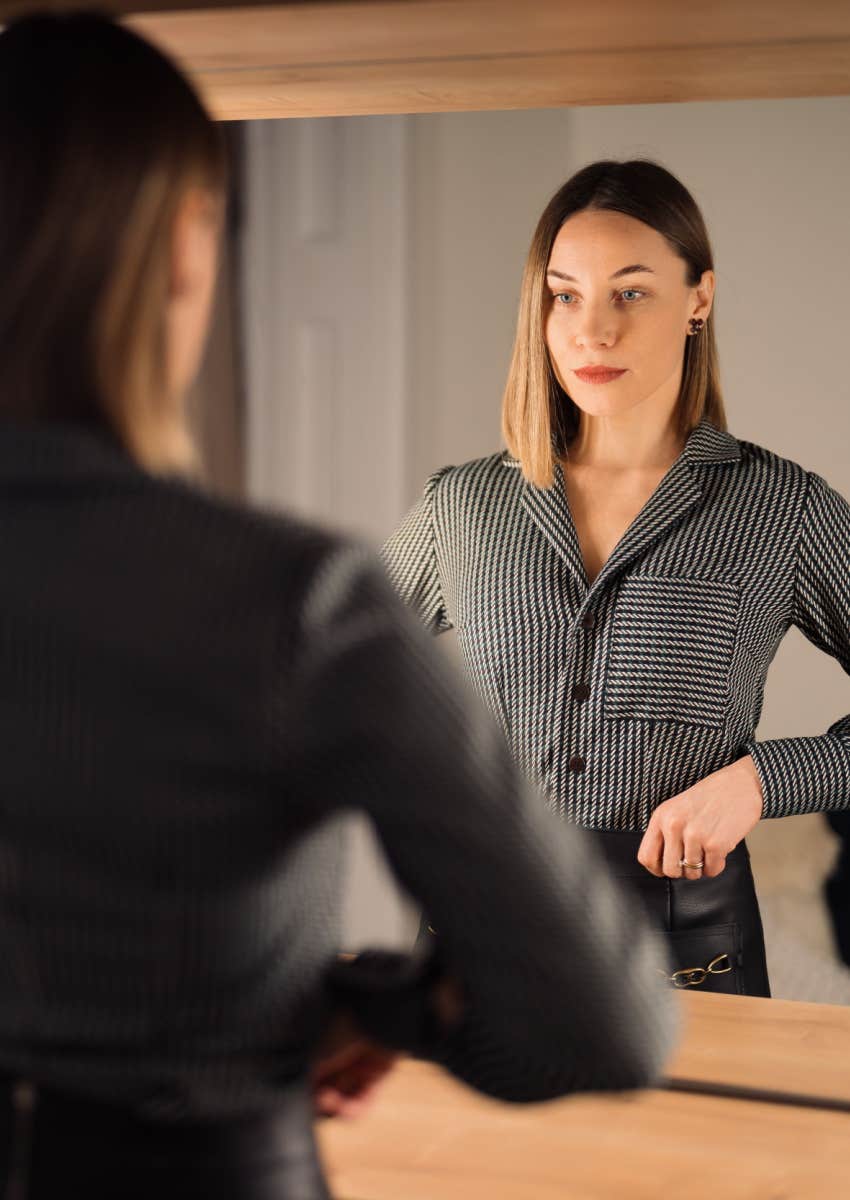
{"x":100,"y":138}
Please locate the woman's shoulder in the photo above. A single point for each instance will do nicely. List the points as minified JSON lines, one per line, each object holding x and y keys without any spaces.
{"x":777,"y":469}
{"x":244,"y":539}
{"x":758,"y":456}
{"x":289,"y":573}
{"x":494,"y":474}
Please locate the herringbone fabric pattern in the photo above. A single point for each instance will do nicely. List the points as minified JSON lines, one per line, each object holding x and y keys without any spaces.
{"x":616,"y":696}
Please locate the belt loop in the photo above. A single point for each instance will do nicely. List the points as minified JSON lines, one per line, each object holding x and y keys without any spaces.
{"x":669,"y":883}
{"x":24,"y":1097}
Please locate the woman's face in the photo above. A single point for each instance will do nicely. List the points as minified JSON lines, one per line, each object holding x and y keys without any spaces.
{"x":617,"y":297}
{"x":194,"y":260}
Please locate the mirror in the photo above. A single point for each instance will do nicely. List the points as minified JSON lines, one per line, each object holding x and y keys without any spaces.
{"x":380,"y":262}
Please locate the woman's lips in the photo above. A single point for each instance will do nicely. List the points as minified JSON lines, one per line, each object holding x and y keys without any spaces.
{"x":598,"y":374}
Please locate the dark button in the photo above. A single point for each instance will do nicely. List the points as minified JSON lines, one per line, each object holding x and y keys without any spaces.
{"x":581,"y":691}
{"x":576,"y":763}
{"x":588,"y":620}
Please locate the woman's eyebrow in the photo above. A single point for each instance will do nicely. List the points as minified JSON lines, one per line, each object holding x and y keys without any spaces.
{"x":622,"y":271}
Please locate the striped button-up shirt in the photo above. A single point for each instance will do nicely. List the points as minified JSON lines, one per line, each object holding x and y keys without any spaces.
{"x":619,"y":694}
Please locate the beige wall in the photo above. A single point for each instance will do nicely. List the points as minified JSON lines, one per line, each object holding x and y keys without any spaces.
{"x":217,"y":399}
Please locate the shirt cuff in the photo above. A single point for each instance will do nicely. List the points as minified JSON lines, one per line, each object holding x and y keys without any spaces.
{"x":802,"y":774}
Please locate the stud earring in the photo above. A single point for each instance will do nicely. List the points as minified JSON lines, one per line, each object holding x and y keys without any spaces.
{"x":696,"y":324}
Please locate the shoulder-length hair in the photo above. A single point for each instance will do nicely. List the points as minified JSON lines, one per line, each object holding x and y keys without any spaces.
{"x":538,"y":416}
{"x":100,"y":137}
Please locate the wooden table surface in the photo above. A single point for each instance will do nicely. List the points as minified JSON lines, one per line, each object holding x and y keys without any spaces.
{"x":430,"y":1138}
{"x":778,"y":1045}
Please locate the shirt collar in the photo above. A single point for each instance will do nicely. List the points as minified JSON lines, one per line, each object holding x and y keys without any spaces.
{"x":708,"y":444}
{"x":58,"y":450}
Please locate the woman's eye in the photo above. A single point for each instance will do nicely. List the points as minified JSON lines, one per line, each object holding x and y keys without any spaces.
{"x":630,"y":295}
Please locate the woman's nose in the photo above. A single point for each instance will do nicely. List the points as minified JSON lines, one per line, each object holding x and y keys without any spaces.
{"x":595,"y":327}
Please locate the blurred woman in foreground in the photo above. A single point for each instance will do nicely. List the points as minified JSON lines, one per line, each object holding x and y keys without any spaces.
{"x":192,"y":694}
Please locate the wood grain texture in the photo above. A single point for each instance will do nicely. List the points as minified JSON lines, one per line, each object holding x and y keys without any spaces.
{"x":427,"y":1138}
{"x":780,"y":1045}
{"x":318,"y":59}
{"x":550,"y":81}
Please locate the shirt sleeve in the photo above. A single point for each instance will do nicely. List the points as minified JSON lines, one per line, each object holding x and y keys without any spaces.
{"x":410,"y":559}
{"x":810,"y":774}
{"x":560,"y":974}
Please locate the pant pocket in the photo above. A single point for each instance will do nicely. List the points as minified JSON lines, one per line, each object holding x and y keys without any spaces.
{"x":709,"y":959}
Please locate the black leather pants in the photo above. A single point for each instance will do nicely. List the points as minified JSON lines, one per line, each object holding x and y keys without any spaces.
{"x":713,"y":926}
{"x":706,"y":920}
{"x":59,"y":1147}
{"x":837,"y":885}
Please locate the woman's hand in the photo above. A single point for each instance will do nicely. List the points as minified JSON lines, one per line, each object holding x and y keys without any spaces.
{"x":347,"y":1070}
{"x":704,"y":823}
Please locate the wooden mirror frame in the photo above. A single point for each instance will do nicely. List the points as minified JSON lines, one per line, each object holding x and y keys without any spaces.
{"x":312,"y":59}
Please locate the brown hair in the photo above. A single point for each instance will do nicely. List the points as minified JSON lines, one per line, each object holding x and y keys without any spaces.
{"x":538,"y":417}
{"x":100,"y":137}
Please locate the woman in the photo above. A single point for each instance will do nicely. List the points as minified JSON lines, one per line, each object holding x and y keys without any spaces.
{"x":191,"y":697}
{"x":621,"y":578}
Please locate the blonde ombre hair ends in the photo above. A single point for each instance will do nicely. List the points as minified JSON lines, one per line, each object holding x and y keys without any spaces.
{"x":129,"y":339}
{"x":86,"y":226}
{"x":538,"y":417}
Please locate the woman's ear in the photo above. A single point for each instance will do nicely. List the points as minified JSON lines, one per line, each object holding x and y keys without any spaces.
{"x":704,"y":293}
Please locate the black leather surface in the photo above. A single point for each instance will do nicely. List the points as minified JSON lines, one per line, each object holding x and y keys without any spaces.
{"x":703,"y":917}
{"x":72,"y":1147}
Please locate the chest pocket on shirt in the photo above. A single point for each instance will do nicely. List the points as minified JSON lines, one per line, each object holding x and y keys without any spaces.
{"x":672,"y":641}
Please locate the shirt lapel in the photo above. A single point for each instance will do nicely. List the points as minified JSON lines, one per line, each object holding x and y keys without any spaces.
{"x":678,"y":492}
{"x":549,"y":509}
